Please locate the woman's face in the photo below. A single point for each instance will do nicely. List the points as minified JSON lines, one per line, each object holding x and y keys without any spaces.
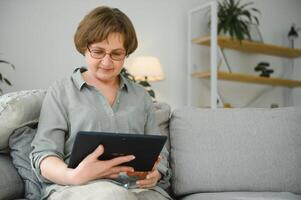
{"x":105,"y":59}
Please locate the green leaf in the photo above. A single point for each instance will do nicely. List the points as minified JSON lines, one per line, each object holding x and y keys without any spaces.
{"x":256,"y":19}
{"x":245,"y":5}
{"x":151,"y":93}
{"x":6,"y":62}
{"x":255,"y":10}
{"x":247,"y":14}
{"x":144,"y":83}
{"x":7,"y":81}
{"x":236,"y":5}
{"x":234,"y":18}
{"x":127,"y":75}
{"x":238,"y":32}
{"x":266,"y":64}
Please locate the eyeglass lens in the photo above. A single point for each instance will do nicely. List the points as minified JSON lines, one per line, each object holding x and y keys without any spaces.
{"x":100,"y":53}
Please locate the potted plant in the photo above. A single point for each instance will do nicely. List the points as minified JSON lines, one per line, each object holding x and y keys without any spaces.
{"x":235,"y":18}
{"x":262,"y":67}
{"x":2,"y":78}
{"x":145,"y":83}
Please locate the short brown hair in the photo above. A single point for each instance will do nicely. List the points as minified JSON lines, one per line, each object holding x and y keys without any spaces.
{"x":99,"y":23}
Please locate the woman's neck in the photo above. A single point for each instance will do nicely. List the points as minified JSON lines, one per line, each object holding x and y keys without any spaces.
{"x":93,"y":81}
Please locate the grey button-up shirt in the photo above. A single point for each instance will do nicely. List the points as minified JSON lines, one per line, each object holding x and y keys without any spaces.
{"x":71,"y":105}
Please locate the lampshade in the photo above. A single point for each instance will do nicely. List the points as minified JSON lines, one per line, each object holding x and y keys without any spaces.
{"x":146,"y":68}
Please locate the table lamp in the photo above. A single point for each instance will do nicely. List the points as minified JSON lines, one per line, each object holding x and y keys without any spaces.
{"x":293,"y":34}
{"x":147,"y":69}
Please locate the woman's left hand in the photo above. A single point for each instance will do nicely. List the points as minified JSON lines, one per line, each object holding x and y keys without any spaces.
{"x":151,"y":179}
{"x":148,"y":179}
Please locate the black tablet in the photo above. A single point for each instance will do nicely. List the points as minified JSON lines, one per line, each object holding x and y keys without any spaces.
{"x":145,"y":148}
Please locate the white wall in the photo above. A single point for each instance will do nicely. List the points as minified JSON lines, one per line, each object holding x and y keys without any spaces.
{"x":37,"y":36}
{"x":275,"y":22}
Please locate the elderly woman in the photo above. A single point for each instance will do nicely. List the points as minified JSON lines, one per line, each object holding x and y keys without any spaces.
{"x":96,"y":98}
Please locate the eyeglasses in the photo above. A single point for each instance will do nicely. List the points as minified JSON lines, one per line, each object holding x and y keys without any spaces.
{"x":100,"y":53}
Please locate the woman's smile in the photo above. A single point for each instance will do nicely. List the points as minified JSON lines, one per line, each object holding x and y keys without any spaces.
{"x":105,"y":69}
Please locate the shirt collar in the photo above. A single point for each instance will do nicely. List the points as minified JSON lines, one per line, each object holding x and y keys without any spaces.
{"x":77,"y":77}
{"x":80,"y":82}
{"x":124,"y":83}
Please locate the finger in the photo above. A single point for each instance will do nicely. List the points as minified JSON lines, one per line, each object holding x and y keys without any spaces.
{"x":159,"y":159}
{"x":157,"y":162}
{"x":151,"y":179}
{"x":119,"y":169}
{"x":140,"y":175}
{"x":147,"y":182}
{"x":119,"y":160}
{"x":112,"y":176}
{"x":147,"y":186}
{"x":153,"y":174}
{"x":96,"y":153}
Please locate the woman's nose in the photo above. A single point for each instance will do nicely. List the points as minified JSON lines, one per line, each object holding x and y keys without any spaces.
{"x":106,"y":60}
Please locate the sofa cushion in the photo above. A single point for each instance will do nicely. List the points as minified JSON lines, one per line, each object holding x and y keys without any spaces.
{"x":243,"y":196}
{"x":216,"y":150}
{"x":18,"y":109}
{"x":163,"y":111}
{"x":20,"y":148}
{"x":11,"y":185}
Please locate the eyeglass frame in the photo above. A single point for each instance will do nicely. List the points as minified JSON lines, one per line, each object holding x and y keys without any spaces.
{"x":125,"y":55}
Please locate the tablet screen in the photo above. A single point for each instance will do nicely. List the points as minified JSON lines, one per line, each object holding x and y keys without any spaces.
{"x":145,"y":148}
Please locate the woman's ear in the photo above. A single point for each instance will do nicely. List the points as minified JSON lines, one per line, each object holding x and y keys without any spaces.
{"x":86,"y":53}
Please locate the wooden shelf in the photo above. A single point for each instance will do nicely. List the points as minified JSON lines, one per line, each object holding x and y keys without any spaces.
{"x":251,"y":47}
{"x":250,"y":79}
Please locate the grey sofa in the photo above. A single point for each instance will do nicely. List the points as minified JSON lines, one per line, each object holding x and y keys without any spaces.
{"x":215,"y":154}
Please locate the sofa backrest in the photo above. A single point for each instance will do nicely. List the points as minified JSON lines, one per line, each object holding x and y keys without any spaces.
{"x":18,"y":109}
{"x":215,"y":150}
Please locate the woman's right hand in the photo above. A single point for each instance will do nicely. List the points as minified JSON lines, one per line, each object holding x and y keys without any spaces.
{"x":91,"y":168}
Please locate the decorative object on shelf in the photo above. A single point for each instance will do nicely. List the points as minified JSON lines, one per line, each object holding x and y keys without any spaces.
{"x":2,"y":78}
{"x":235,"y":19}
{"x":293,"y":34}
{"x":262,"y":67}
{"x":227,"y":105}
{"x":146,"y":69}
{"x":274,"y":105}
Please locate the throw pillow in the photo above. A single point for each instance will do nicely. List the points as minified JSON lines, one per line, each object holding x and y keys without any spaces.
{"x":19,"y":143}
{"x":18,"y":109}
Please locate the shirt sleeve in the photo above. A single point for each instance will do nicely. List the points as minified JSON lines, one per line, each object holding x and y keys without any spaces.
{"x":50,"y":137}
{"x":151,"y":127}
